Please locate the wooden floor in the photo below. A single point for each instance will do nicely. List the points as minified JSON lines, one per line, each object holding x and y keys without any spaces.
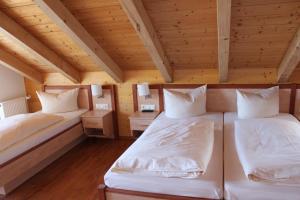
{"x":75,"y":175}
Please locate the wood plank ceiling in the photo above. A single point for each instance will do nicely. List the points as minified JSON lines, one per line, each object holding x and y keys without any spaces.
{"x":72,"y":27}
{"x":187,"y":30}
{"x":260,"y":33}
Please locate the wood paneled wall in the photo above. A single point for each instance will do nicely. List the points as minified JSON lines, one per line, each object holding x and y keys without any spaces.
{"x":124,"y":90}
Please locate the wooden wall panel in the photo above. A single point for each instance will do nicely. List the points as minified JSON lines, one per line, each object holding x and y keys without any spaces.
{"x":124,"y":97}
{"x":187,"y":30}
{"x":261,"y":31}
{"x":31,"y":88}
{"x":295,"y":77}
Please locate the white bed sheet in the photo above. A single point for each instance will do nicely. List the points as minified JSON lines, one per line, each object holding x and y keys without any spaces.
{"x":70,"y":119}
{"x":236,"y":184}
{"x":209,"y":185}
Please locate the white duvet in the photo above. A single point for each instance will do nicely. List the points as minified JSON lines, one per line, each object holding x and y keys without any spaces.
{"x":170,"y":148}
{"x":16,"y":128}
{"x":269,"y":149}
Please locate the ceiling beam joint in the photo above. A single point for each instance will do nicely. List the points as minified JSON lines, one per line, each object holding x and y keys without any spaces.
{"x":22,"y":37}
{"x":62,"y":17}
{"x":142,"y":24}
{"x":10,"y":61}
{"x":290,"y":60}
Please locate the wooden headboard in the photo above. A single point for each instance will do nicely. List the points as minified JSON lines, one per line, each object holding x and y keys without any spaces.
{"x":86,"y":100}
{"x":220,"y":97}
{"x":84,"y":95}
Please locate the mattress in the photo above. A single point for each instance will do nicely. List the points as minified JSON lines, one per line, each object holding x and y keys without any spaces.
{"x":70,"y":119}
{"x":209,"y":185}
{"x":236,"y":184}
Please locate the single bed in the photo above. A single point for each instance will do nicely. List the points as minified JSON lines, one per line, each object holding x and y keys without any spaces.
{"x":236,"y":184}
{"x":70,"y":119}
{"x":209,"y":185}
{"x":26,"y":157}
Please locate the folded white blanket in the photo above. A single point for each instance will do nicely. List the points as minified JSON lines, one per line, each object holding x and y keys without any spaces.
{"x":16,"y":128}
{"x":170,"y":148}
{"x":269,"y":149}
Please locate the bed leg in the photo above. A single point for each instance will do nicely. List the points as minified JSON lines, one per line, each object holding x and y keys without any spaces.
{"x":101,"y":189}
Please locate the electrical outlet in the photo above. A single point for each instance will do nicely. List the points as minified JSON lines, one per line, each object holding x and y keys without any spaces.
{"x":101,"y":106}
{"x":147,"y":106}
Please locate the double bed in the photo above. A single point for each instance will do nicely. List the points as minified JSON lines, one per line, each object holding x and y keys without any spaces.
{"x":225,"y":177}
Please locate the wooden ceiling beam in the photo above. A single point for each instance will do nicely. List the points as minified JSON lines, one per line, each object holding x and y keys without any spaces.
{"x":142,"y":24}
{"x":13,"y":63}
{"x":224,"y":17}
{"x":290,"y":60}
{"x":61,"y":16}
{"x":16,"y":32}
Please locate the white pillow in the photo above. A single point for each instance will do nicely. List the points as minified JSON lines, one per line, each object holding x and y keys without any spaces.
{"x":59,"y":103}
{"x":264,"y":103}
{"x":180,"y":105}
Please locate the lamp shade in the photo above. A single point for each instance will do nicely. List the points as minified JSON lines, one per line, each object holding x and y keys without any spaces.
{"x":143,"y":89}
{"x":96,"y":90}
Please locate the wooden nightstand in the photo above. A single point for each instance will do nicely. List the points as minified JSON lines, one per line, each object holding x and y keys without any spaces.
{"x":139,"y":121}
{"x":98,"y":123}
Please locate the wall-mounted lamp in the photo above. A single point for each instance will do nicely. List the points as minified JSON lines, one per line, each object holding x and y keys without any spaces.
{"x":97,"y":90}
{"x":143,"y":90}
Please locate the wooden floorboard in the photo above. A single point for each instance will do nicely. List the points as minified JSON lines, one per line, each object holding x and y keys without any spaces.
{"x":76,"y":175}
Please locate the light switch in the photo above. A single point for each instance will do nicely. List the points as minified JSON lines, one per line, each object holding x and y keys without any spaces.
{"x":148,"y":107}
{"x":101,"y":106}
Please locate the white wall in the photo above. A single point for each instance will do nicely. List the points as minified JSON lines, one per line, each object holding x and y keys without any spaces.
{"x":11,"y":84}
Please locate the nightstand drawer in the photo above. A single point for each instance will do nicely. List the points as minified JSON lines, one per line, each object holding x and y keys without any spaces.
{"x":139,"y":125}
{"x":92,"y":123}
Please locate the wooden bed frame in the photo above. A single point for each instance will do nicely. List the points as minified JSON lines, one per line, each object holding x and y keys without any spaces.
{"x":287,"y":94}
{"x":156,"y":91}
{"x":20,"y":168}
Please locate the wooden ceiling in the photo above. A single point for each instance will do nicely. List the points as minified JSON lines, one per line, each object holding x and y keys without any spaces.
{"x":187,"y":31}
{"x":28,"y":15}
{"x":261,"y":32}
{"x":108,"y":24}
{"x":104,"y":20}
